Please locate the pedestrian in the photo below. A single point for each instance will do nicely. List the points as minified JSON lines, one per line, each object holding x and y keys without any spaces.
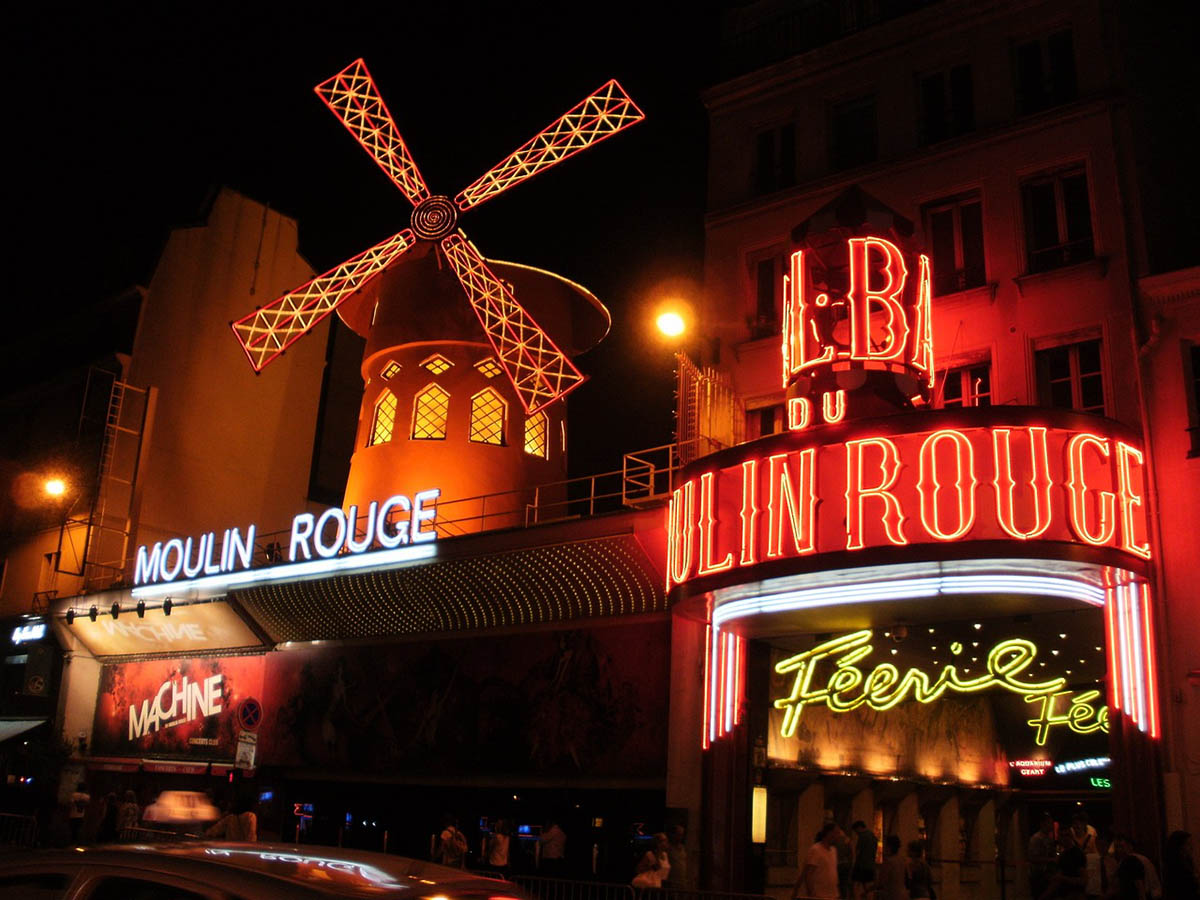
{"x":1070,"y":881}
{"x":1123,"y":849}
{"x":495,"y":848}
{"x":918,"y":875}
{"x":1083,"y":836}
{"x":1181,"y":881}
{"x":239,"y":824}
{"x":129,"y":814}
{"x":1042,"y":855}
{"x":452,"y":844}
{"x":655,"y":865}
{"x":677,"y":856}
{"x":553,"y":844}
{"x":890,"y":885}
{"x":106,"y":832}
{"x":862,"y":869}
{"x":80,"y":800}
{"x":819,"y":874}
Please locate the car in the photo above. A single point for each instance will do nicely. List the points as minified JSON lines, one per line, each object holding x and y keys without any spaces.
{"x":181,"y":808}
{"x":212,"y":870}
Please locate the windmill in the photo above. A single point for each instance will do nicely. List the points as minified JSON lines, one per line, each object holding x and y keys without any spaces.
{"x":539,"y":371}
{"x":429,"y":352}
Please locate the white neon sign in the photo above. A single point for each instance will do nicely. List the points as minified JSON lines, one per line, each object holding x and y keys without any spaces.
{"x":33,"y":632}
{"x":207,"y":561}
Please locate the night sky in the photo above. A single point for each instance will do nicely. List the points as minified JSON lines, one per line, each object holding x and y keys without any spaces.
{"x":124,"y":122}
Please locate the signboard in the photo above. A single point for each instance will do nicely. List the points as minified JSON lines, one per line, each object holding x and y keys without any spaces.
{"x":396,"y":522}
{"x":247,"y":745}
{"x":174,"y":707}
{"x":937,"y":478}
{"x":191,"y":628}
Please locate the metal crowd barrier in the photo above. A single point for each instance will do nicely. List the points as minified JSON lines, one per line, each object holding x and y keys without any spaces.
{"x":17,"y":831}
{"x":152,"y":836}
{"x":565,"y":889}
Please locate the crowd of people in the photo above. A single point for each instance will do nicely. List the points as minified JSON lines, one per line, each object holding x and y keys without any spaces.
{"x":1069,"y":863}
{"x":1076,"y":863}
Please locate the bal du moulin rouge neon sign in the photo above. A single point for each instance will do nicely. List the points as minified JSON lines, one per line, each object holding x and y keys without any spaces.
{"x":867,"y":333}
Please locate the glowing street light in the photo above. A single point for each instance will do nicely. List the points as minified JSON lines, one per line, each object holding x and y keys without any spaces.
{"x":671,"y":323}
{"x":55,"y":487}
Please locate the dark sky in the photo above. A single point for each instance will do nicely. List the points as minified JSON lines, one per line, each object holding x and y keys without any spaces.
{"x":123,"y":121}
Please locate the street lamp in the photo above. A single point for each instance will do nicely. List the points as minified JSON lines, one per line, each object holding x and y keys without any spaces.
{"x":55,"y":487}
{"x":671,"y":323}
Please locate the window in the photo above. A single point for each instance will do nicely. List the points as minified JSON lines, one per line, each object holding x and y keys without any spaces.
{"x":965,"y":386}
{"x":437,"y":364}
{"x":1058,"y":220}
{"x":535,"y":435}
{"x":852,"y":134}
{"x":767,"y":420}
{"x":384,"y":419}
{"x":488,"y":367}
{"x":431,"y":408}
{"x":775,"y":159}
{"x":487,"y":418}
{"x":1070,"y":376}
{"x":140,"y":889}
{"x":1191,"y":374}
{"x":947,"y":104}
{"x":768,"y":286}
{"x":1045,"y":73}
{"x":954,"y":229}
{"x":390,"y":370}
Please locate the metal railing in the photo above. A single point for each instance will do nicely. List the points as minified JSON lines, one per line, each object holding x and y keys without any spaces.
{"x":17,"y":830}
{"x":139,"y":835}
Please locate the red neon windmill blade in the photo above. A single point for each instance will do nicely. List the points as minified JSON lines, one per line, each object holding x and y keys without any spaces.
{"x":539,"y":371}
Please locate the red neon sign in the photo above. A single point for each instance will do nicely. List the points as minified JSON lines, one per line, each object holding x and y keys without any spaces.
{"x":940,"y":485}
{"x":888,"y":316}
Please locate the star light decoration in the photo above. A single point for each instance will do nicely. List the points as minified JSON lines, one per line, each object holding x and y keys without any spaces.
{"x":538,"y":369}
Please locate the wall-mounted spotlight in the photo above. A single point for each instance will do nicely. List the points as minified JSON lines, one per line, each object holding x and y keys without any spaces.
{"x":167,"y":604}
{"x":141,"y":609}
{"x":70,"y":617}
{"x":116,"y":609}
{"x":92,"y":613}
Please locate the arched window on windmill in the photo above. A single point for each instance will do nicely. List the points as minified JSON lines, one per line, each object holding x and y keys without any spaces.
{"x":431,"y":408}
{"x":384,"y":420}
{"x":488,"y":412}
{"x":536,"y":438}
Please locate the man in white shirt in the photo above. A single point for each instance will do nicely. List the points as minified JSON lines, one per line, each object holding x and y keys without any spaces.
{"x":819,"y":874}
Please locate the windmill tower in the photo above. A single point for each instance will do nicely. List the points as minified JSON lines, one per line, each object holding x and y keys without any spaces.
{"x":462,"y":396}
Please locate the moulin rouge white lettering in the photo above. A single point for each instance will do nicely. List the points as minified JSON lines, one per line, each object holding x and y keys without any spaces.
{"x":174,"y":703}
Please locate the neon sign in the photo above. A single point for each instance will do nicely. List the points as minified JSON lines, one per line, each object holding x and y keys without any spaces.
{"x":881,"y":321}
{"x":1036,"y":767}
{"x":1082,"y":765}
{"x":847,"y":687}
{"x":396,"y":522}
{"x":34,"y":631}
{"x":798,"y":496}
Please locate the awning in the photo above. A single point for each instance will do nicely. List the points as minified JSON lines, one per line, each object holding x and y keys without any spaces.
{"x":112,"y":764}
{"x":10,"y":728}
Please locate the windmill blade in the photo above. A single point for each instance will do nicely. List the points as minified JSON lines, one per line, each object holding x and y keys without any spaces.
{"x":271,"y":329}
{"x":598,"y":116}
{"x":539,"y":371}
{"x":354,"y":99}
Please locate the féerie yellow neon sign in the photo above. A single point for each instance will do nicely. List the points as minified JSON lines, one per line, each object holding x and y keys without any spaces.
{"x":848,"y":687}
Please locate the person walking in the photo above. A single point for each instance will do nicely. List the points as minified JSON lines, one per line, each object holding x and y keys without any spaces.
{"x":106,"y":832}
{"x":553,"y":844}
{"x":80,"y":800}
{"x":1042,"y":855}
{"x":1181,"y":881}
{"x":129,"y":814}
{"x":496,"y":846}
{"x":862,"y":869}
{"x":890,"y":885}
{"x":452,"y":844}
{"x":819,"y":874}
{"x":918,"y":875}
{"x":238,"y":824}
{"x":677,"y":856}
{"x":655,"y":865}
